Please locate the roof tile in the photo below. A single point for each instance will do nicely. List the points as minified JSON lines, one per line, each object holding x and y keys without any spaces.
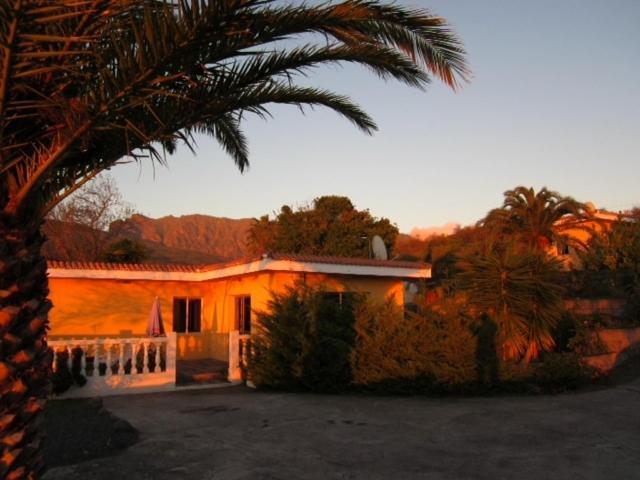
{"x":151,"y":267}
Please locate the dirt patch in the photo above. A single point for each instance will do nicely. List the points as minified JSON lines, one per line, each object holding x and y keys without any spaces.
{"x":81,"y":430}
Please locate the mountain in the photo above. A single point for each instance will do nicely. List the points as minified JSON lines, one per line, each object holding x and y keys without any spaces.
{"x":221,"y":237}
{"x":426,"y":232}
{"x":190,"y":239}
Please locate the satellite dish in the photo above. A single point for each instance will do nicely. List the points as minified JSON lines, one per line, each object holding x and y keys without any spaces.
{"x":378,"y":247}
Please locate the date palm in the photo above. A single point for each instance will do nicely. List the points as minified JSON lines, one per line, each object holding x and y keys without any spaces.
{"x":85,"y":83}
{"x":533,"y":216}
{"x":514,"y":285}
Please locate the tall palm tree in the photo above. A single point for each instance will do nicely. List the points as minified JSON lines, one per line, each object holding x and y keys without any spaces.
{"x":85,"y":83}
{"x":534,"y":217}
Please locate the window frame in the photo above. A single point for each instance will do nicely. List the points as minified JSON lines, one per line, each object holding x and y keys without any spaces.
{"x":187,"y":320}
{"x":240,"y":318}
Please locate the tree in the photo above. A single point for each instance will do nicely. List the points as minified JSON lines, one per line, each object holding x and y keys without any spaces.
{"x":533,"y":217}
{"x":125,"y":251}
{"x":330,"y":226}
{"x":514,"y":286}
{"x":84,"y":84}
{"x":96,"y":205}
{"x":616,"y":248}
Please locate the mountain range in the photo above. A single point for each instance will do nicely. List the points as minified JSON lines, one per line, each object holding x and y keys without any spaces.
{"x":189,"y":239}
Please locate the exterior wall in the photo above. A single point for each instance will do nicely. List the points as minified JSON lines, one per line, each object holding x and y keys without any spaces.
{"x":86,"y":308}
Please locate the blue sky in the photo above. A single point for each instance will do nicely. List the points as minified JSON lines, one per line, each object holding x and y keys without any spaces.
{"x":554,"y":101}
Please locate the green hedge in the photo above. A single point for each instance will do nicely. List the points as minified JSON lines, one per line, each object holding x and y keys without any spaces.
{"x":427,"y":350}
{"x":308,"y":340}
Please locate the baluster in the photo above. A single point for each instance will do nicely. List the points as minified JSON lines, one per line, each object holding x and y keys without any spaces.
{"x":121,"y":358}
{"x":83,"y":358}
{"x":55,"y":357}
{"x":67,"y":351}
{"x":109,"y":371}
{"x":145,"y":358}
{"x":157,"y":367}
{"x":134,"y":358}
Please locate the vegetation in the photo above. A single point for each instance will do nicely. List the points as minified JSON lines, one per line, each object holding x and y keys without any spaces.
{"x":96,"y":205}
{"x":303,"y":342}
{"x":532,"y":217}
{"x":308,"y":341}
{"x":331,"y":226}
{"x":616,"y":249}
{"x":429,"y":351}
{"x":514,"y":286}
{"x":125,"y":251}
{"x":84,"y":84}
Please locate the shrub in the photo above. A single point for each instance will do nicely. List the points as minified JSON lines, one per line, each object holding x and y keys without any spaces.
{"x":64,"y":377}
{"x":428,"y":351}
{"x":303,"y":342}
{"x":560,"y":372}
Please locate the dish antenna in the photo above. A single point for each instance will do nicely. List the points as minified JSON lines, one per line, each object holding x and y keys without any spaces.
{"x":379,"y":249}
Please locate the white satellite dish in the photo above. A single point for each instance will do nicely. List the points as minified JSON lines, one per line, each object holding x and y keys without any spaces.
{"x":378,"y":247}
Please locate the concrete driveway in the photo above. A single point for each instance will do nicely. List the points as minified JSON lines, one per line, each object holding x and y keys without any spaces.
{"x":237,"y":433}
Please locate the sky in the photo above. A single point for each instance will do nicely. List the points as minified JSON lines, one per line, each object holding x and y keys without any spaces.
{"x":554,"y":101}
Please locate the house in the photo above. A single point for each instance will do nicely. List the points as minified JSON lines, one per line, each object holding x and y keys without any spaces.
{"x":103,"y":309}
{"x":578,"y":232}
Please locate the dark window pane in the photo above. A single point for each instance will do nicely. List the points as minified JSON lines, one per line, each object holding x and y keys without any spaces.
{"x":243,"y":314}
{"x":195,"y":309}
{"x":179,"y":315}
{"x":247,"y":315}
{"x":332,"y":297}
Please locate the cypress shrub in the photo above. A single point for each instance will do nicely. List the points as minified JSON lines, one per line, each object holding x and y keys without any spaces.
{"x":303,"y":341}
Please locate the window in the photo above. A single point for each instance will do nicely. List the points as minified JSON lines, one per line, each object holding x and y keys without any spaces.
{"x":243,"y":314}
{"x":187,"y":314}
{"x":340,"y":298}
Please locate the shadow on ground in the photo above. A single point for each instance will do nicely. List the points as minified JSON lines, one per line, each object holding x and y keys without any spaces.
{"x":81,"y":430}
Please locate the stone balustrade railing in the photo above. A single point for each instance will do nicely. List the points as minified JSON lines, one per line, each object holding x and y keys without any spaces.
{"x":238,"y":344}
{"x":118,"y":365}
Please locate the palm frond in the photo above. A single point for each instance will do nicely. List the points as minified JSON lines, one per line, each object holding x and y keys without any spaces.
{"x":84,"y":84}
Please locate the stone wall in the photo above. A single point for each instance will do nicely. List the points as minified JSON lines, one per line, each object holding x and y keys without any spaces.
{"x":619,"y":343}
{"x":596,"y":306}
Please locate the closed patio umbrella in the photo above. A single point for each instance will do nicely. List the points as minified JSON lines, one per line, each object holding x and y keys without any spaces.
{"x":155,"y":327}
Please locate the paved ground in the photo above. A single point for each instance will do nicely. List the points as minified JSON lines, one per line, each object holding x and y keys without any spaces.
{"x":237,"y":433}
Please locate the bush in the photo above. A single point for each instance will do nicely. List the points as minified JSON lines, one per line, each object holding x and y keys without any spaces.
{"x":303,"y":342}
{"x":428,"y":351}
{"x":64,"y":377}
{"x":560,"y":372}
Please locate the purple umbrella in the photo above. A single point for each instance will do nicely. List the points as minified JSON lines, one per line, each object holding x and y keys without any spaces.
{"x":155,"y":328}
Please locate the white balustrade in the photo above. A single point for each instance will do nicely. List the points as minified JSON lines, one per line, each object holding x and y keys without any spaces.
{"x":102,"y":361}
{"x":238,"y":345}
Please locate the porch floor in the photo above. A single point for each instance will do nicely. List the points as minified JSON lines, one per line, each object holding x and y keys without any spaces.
{"x":201,"y":371}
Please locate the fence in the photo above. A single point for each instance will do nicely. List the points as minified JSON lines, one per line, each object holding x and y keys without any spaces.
{"x":115,"y":366}
{"x":238,"y":345}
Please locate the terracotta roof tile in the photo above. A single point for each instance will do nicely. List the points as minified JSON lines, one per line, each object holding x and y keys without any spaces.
{"x":150,"y":267}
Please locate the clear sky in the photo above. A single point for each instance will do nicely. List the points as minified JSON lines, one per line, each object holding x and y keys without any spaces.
{"x":555,"y":101}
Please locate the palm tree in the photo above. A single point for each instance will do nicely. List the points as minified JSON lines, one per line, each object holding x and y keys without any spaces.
{"x":84,"y":84}
{"x":534,"y":217}
{"x":515,"y":287}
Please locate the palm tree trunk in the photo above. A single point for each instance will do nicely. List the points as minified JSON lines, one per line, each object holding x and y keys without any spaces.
{"x":25,"y":361}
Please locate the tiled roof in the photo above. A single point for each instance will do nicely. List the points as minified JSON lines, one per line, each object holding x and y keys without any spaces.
{"x":150,"y":267}
{"x":134,"y":267}
{"x":346,"y":260}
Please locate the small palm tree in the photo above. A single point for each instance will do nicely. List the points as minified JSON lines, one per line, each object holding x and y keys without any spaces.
{"x":534,"y":217}
{"x":514,"y":286}
{"x":85,"y":83}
